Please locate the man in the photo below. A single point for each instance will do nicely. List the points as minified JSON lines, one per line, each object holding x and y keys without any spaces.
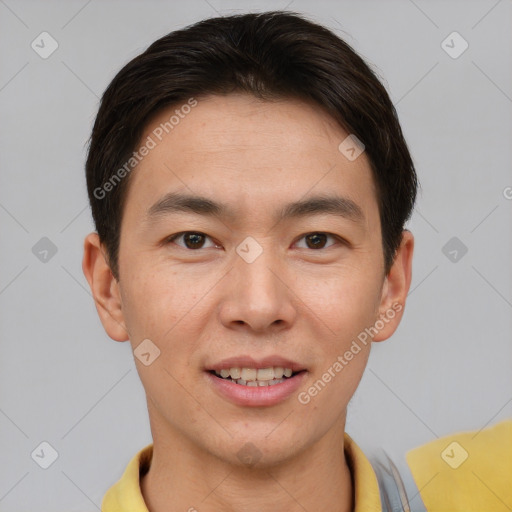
{"x":249,"y":182}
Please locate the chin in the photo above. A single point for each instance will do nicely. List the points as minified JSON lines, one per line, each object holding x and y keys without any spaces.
{"x":262,"y":452}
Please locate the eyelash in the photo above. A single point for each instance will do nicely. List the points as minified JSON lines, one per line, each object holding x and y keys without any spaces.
{"x":172,"y":238}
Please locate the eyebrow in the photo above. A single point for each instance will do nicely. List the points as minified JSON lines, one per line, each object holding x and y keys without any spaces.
{"x":175,"y":202}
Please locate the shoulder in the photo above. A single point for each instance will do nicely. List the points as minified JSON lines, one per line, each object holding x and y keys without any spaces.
{"x":469,"y":471}
{"x":125,"y":495}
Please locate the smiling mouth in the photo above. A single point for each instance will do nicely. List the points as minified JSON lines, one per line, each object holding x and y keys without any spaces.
{"x":256,"y":377}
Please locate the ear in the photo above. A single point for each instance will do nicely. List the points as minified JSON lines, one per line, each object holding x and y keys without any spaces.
{"x":104,"y":288}
{"x":395,"y":288}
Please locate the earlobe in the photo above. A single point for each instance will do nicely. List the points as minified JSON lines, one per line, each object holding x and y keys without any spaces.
{"x":104,"y":288}
{"x":395,"y":288}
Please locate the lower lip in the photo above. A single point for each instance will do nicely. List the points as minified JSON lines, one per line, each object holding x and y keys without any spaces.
{"x":252,"y":396}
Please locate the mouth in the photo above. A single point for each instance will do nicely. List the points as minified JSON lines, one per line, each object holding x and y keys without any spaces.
{"x":250,"y":383}
{"x":256,"y":377}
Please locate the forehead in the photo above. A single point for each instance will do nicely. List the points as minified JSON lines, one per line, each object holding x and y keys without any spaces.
{"x":248,"y":151}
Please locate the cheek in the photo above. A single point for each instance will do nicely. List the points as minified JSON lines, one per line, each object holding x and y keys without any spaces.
{"x":343,"y":307}
{"x":150,"y":305}
{"x":161,"y":302}
{"x":345,"y":298}
{"x":159,"y":306}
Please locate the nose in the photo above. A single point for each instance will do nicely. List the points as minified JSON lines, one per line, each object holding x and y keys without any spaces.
{"x":259,"y":295}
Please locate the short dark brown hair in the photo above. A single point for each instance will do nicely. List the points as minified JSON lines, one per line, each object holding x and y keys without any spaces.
{"x":271,"y":55}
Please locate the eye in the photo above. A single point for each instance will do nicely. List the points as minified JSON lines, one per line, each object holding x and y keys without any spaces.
{"x":195,"y":240}
{"x":317,"y":240}
{"x":192,"y":239}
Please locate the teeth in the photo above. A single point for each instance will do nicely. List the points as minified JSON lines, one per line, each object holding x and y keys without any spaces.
{"x":248,"y":373}
{"x":278,"y":372}
{"x":235,"y":373}
{"x":259,"y":383}
{"x":265,"y":374}
{"x":255,"y":376}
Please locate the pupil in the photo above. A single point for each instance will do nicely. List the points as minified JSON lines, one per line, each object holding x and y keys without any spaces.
{"x":315,"y":237}
{"x":195,"y":239}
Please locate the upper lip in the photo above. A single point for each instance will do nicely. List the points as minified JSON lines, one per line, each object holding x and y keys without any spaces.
{"x":250,"y":362}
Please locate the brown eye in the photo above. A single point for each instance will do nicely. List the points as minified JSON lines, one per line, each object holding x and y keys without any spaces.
{"x":191,"y":239}
{"x":317,"y":240}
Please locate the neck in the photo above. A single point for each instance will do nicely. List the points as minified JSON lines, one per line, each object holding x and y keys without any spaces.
{"x":184,"y":478}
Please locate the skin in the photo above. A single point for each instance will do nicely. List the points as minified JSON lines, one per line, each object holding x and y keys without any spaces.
{"x":199,"y":306}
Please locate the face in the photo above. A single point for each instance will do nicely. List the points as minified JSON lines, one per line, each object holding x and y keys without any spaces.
{"x":279,"y":267}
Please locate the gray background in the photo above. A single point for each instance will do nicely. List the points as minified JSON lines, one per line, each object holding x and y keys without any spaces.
{"x":63,"y":381}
